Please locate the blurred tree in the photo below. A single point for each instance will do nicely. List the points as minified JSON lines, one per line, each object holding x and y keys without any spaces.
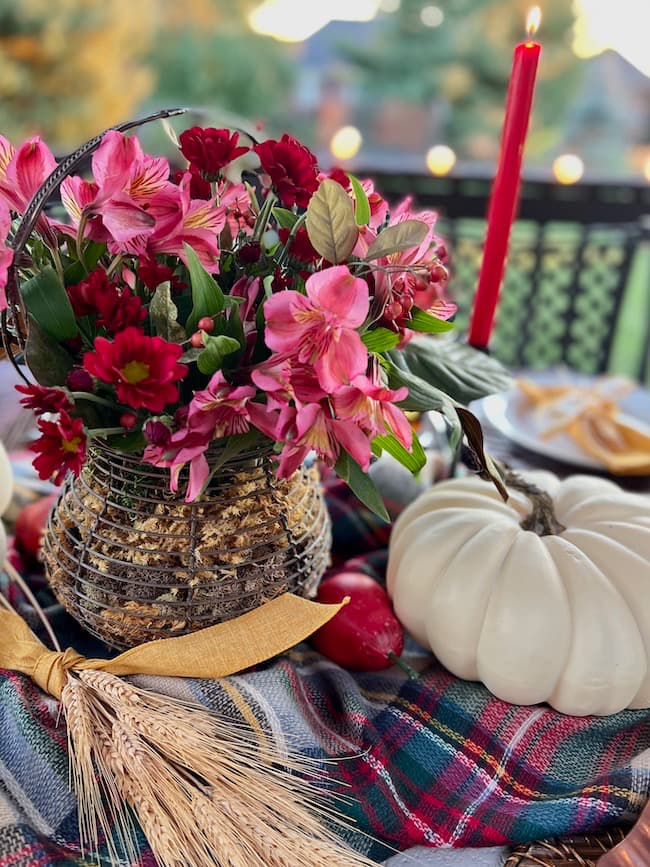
{"x":459,"y":69}
{"x":206,"y":55}
{"x":72,"y":68}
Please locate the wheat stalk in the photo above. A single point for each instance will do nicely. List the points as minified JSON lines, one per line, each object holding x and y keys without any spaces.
{"x":206,"y":791}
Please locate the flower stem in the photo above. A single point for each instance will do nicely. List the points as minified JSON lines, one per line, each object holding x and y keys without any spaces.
{"x":115,"y":264}
{"x":292,"y":234}
{"x":263,"y":216}
{"x":86,"y":395}
{"x":105,"y":431}
{"x":80,"y":240}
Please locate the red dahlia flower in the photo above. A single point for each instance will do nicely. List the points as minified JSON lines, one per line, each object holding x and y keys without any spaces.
{"x":292,"y":168}
{"x":301,"y":247}
{"x":61,"y":447}
{"x":143,"y":369}
{"x":116,"y":308}
{"x":209,"y":150}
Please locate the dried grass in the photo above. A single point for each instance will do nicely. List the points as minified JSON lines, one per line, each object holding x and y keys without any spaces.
{"x":205,"y":790}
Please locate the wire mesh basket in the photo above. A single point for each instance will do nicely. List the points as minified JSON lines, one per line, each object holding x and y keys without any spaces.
{"x":133,"y":562}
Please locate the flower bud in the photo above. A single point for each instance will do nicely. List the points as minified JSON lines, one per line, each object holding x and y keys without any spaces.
{"x":128,"y":420}
{"x":79,"y":380}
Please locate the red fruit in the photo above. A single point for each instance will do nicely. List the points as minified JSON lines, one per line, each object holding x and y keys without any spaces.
{"x":365,"y":635}
{"x":30,"y":525}
{"x":128,"y":420}
{"x":197,"y":340}
{"x":206,"y":323}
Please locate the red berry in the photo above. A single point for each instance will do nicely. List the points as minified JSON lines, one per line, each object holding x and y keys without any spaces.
{"x":206,"y":323}
{"x":128,"y":420}
{"x":197,"y":340}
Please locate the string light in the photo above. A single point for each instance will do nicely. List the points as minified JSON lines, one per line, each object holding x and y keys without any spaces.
{"x":345,"y":143}
{"x":440,"y":159}
{"x":568,"y":168}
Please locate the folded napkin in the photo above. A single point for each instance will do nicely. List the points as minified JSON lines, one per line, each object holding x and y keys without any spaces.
{"x":590,"y":416}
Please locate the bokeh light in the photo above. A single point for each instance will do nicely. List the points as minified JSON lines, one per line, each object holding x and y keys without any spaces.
{"x":440,"y":159}
{"x":568,"y":168}
{"x":432,"y":16}
{"x":346,"y":143}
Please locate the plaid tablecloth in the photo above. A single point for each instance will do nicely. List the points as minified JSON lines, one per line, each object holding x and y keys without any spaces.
{"x":435,"y":762}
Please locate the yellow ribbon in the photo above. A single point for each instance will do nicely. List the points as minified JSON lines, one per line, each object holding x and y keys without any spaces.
{"x":216,"y":651}
{"x":594,"y":424}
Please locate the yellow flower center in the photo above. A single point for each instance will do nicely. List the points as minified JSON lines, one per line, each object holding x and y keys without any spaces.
{"x":135,"y":371}
{"x":71,"y":445}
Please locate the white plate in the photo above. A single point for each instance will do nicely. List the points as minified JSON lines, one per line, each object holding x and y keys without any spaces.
{"x":511,"y":415}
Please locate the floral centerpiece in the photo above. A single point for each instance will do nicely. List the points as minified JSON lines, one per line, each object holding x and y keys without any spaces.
{"x":183,"y":307}
{"x":247,"y":300}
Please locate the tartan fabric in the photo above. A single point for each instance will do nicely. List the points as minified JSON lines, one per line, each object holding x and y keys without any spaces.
{"x":436,"y":761}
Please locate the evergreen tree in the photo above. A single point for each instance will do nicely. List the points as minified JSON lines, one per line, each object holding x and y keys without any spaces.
{"x":462,"y":67}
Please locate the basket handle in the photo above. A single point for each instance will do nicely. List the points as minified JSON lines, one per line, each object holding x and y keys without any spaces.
{"x":34,"y":209}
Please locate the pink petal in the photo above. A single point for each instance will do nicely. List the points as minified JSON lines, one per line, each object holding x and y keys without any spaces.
{"x":343,"y":360}
{"x":32,"y":164}
{"x":77,"y":194}
{"x":337,"y":291}
{"x":282,"y":332}
{"x":124,"y":219}
{"x":147,"y":178}
{"x":113,"y":162}
{"x":199,"y":473}
{"x":354,"y":441}
{"x":7,"y":152}
{"x":398,"y":424}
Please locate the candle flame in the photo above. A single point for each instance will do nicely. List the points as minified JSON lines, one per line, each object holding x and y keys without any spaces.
{"x":533,"y":21}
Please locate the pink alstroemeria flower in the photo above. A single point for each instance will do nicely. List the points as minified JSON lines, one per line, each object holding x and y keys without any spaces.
{"x":6,"y":253}
{"x":372,"y":406}
{"x":187,"y":444}
{"x":318,"y":431}
{"x":320,"y":328}
{"x":22,"y":172}
{"x":181,"y":220}
{"x":283,"y":379}
{"x":125,"y":181}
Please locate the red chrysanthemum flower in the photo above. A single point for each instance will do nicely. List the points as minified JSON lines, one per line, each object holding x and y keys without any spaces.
{"x":42,"y":399}
{"x":209,"y":150}
{"x":118,"y":310}
{"x":301,"y":247}
{"x":152,"y":274}
{"x":292,"y":169}
{"x":61,"y":447}
{"x":83,"y":295}
{"x":199,"y":187}
{"x":143,"y":369}
{"x":338,"y":174}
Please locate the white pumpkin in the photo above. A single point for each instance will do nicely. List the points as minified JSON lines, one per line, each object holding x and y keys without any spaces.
{"x":6,"y":491}
{"x":561,"y":618}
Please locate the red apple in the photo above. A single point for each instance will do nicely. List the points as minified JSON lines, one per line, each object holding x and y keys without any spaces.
{"x":30,"y":526}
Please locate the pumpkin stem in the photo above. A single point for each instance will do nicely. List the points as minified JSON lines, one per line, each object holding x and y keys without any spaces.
{"x":542,"y":519}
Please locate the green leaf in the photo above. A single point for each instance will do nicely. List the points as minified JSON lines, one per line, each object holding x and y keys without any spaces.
{"x":380,"y":339}
{"x":47,"y":360}
{"x":361,"y":485}
{"x":130,"y":442}
{"x":284,"y":218}
{"x":232,"y":447}
{"x":462,"y":372}
{"x":76,"y":272}
{"x":48,"y":303}
{"x":422,"y":396}
{"x":413,"y":460}
{"x":428,"y":324}
{"x":330,"y":222}
{"x":163,"y":314}
{"x":401,"y":236}
{"x":216,"y":349}
{"x":207,"y":297}
{"x":486,"y":467}
{"x":362,"y":210}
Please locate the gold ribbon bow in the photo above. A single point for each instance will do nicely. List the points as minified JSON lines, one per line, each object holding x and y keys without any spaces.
{"x":213,"y":652}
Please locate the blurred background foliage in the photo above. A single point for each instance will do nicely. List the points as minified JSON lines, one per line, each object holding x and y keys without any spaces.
{"x":404,"y":80}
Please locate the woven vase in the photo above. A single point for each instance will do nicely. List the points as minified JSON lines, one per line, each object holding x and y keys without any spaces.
{"x":133,"y":562}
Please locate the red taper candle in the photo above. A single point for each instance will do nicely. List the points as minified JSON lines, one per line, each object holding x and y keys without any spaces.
{"x":505,"y":189}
